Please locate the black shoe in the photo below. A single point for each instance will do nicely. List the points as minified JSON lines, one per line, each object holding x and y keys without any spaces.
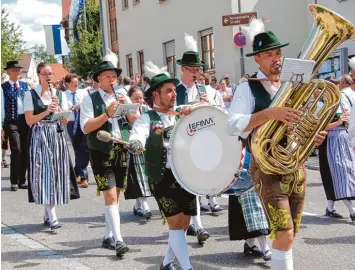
{"x":55,"y":226}
{"x":267,"y":255}
{"x":216,"y":208}
{"x":147,"y":214}
{"x":121,"y":249}
{"x":14,"y":187}
{"x":333,"y":214}
{"x":23,"y":186}
{"x":109,"y":243}
{"x":253,"y":251}
{"x":170,"y":266}
{"x":46,"y":222}
{"x":352,"y":217}
{"x":191,"y":230}
{"x":137,"y":212}
{"x":202,"y":236}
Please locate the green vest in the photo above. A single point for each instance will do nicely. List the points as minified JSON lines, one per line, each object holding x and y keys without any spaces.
{"x":155,"y":152}
{"x":182,"y":97}
{"x":99,"y":107}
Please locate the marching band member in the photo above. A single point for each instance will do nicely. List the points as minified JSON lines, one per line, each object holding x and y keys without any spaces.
{"x":248,"y":111}
{"x":108,"y":160}
{"x":187,"y":92}
{"x":14,"y":122}
{"x":137,"y":182}
{"x":152,"y":131}
{"x":51,"y":176}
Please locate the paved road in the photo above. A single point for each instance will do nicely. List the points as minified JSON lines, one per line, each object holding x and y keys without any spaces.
{"x":323,"y":243}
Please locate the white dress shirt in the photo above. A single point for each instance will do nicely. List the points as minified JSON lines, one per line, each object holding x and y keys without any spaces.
{"x":351,"y":128}
{"x":19,"y":101}
{"x":192,"y":92}
{"x":141,"y":128}
{"x":348,"y":98}
{"x":214,"y":96}
{"x":87,"y":112}
{"x":243,"y":105}
{"x":29,"y":103}
{"x":79,"y":96}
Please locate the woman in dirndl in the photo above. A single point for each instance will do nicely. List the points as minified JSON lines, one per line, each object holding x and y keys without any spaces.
{"x":51,"y":176}
{"x":337,"y":162}
{"x":137,"y":181}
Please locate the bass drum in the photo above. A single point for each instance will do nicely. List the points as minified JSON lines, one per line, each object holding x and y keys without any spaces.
{"x":204,"y":157}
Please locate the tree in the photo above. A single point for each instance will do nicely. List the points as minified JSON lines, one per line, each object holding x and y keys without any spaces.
{"x":40,"y":54}
{"x":12,"y":44}
{"x":86,"y":52}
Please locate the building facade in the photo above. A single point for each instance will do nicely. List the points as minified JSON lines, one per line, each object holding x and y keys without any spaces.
{"x":154,"y":30}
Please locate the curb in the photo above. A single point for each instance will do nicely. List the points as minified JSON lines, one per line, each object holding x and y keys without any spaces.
{"x":312,"y":167}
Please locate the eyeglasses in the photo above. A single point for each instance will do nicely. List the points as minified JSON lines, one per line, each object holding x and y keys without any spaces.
{"x":46,"y":74}
{"x":193,"y":70}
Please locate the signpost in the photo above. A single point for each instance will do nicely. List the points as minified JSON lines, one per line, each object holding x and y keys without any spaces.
{"x":238,"y":19}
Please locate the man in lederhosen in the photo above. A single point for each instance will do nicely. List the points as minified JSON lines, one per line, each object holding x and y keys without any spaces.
{"x":152,"y":132}
{"x":108,"y":160}
{"x":282,"y":196}
{"x":187,"y":92}
{"x":16,"y":128}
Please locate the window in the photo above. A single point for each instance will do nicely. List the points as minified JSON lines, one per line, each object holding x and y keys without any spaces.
{"x":111,"y":4}
{"x":124,"y":4}
{"x":207,"y":48}
{"x":113,"y":30}
{"x":135,"y":2}
{"x":129,"y":65}
{"x":169,"y":53}
{"x":140,"y":57}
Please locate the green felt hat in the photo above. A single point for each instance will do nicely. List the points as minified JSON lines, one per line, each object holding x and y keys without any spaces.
{"x":157,"y":81}
{"x":264,"y":42}
{"x":104,"y":66}
{"x":191,"y":59}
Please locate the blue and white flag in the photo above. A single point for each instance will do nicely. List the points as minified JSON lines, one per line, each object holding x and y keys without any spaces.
{"x":55,"y":41}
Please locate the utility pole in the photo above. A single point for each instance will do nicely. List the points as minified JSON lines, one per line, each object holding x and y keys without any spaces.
{"x":242,"y":65}
{"x":85,"y":23}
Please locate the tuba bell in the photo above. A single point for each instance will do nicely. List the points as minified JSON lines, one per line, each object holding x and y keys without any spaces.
{"x":279,"y":150}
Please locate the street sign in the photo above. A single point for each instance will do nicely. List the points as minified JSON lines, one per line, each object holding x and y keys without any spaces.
{"x":238,"y":19}
{"x":240,"y":40}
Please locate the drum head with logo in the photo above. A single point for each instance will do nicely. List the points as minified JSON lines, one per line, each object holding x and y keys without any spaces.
{"x":204,"y":157}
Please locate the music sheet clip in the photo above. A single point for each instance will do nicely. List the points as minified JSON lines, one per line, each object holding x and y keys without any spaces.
{"x":296,"y":71}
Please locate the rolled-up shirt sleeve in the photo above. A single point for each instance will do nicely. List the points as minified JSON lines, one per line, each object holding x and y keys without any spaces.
{"x":86,"y":112}
{"x":140,"y":129}
{"x":240,"y":111}
{"x":352,"y":127}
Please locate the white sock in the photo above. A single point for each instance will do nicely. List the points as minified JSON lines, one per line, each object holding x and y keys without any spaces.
{"x":212,"y":201}
{"x":169,"y":255}
{"x":196,"y":220}
{"x":350,"y":206}
{"x":251,"y":242}
{"x":3,"y":154}
{"x":108,"y":231}
{"x":51,"y":212}
{"x":144,"y":203}
{"x":45,"y":213}
{"x":281,"y":260}
{"x":138,"y":204}
{"x":330,"y":206}
{"x":112,"y":216}
{"x":177,"y":239}
{"x":262,"y":239}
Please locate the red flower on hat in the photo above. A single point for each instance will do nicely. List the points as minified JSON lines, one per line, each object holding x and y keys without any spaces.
{"x":154,"y":127}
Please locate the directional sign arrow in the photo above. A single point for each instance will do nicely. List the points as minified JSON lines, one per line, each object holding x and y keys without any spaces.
{"x":226,"y":20}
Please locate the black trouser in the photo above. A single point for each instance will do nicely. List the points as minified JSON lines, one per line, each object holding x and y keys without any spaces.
{"x":17,"y":130}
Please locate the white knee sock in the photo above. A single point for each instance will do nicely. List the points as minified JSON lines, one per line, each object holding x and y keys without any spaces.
{"x":51,"y":212}
{"x":138,"y":204}
{"x":144,"y":203}
{"x":251,"y":242}
{"x":112,"y":216}
{"x":3,"y":154}
{"x":177,"y":239}
{"x":212,"y":201}
{"x":169,"y":255}
{"x":262,"y":239}
{"x":330,"y":206}
{"x":281,"y":260}
{"x":45,"y":213}
{"x":196,"y":220}
{"x":108,"y":231}
{"x":350,"y":206}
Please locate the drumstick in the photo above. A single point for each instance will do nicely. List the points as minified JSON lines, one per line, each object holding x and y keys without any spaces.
{"x":106,"y":137}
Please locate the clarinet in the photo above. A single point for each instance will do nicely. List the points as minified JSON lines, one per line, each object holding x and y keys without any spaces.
{"x":197,"y":87}
{"x":60,"y":127}
{"x":125,"y":122}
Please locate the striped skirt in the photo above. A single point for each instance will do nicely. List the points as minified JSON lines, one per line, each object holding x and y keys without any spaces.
{"x":341,"y":159}
{"x":49,"y":167}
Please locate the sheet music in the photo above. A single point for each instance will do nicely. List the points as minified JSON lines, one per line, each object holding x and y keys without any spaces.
{"x":127,"y":108}
{"x":296,"y":70}
{"x":61,"y":115}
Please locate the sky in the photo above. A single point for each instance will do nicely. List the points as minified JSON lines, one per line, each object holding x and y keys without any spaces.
{"x":31,"y":15}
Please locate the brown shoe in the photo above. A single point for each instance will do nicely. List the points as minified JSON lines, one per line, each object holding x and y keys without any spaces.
{"x":78,"y":180}
{"x":84,"y":183}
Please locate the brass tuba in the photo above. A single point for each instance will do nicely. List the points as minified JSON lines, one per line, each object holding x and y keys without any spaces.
{"x":279,"y":150}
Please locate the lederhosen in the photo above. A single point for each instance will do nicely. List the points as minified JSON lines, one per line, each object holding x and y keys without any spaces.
{"x":282,"y":195}
{"x":50,"y":172}
{"x":172,"y":199}
{"x":108,"y":160}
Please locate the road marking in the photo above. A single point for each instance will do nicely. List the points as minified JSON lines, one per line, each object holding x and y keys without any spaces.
{"x":42,"y":250}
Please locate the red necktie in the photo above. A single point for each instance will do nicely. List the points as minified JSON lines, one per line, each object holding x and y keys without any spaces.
{"x":15,"y":85}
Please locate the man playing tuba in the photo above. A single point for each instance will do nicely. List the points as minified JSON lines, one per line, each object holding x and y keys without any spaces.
{"x":282,"y":195}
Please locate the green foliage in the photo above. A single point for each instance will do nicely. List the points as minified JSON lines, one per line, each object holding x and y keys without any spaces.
{"x":12,"y":43}
{"x":40,"y":54}
{"x":86,"y":53}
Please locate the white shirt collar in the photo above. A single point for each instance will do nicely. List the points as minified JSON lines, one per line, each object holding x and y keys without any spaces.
{"x":12,"y":83}
{"x":103,"y":93}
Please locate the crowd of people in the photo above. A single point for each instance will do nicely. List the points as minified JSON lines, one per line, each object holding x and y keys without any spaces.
{"x":141,"y":167}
